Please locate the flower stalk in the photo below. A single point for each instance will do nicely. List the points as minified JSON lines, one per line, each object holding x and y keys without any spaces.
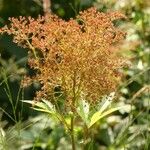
{"x":72,"y":133}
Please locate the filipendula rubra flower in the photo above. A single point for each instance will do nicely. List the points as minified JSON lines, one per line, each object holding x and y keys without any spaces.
{"x":76,"y":58}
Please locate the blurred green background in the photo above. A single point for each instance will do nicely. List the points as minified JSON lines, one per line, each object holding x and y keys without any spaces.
{"x":22,"y":128}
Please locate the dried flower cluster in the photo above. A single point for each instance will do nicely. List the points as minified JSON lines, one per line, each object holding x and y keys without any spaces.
{"x":78,"y":56}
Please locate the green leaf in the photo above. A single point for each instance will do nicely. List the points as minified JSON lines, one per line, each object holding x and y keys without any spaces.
{"x":98,"y":115}
{"x":42,"y":110}
{"x":29,"y":102}
{"x":49,"y":104}
{"x":44,"y":106}
{"x":83,"y":110}
{"x":106,"y":101}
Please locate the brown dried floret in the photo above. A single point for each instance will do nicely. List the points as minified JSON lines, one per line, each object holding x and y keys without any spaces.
{"x":77,"y":55}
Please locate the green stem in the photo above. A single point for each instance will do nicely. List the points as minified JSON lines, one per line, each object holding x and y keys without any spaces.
{"x":9,"y":94}
{"x":85,"y":136}
{"x":72,"y":133}
{"x":72,"y":116}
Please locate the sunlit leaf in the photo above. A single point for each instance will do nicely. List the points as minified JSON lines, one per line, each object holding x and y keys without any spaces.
{"x":44,"y":106}
{"x":106,"y":101}
{"x":83,"y":110}
{"x":98,"y":115}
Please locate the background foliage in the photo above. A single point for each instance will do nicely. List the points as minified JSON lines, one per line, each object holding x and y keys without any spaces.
{"x":22,"y":128}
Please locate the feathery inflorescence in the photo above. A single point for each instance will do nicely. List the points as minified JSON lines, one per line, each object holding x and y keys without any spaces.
{"x":78,"y":56}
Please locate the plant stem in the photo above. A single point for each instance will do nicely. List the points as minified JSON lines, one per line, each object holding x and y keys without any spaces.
{"x":85,"y":134}
{"x":46,"y":6}
{"x":72,"y":116}
{"x":72,"y":133}
{"x":32,"y":48}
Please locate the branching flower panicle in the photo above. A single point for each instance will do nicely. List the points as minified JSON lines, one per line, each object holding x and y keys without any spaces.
{"x":78,"y":56}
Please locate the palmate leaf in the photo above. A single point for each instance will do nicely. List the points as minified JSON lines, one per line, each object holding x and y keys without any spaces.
{"x":103,"y":106}
{"x":86,"y":113}
{"x":43,"y":106}
{"x":47,"y":107}
{"x":90,"y":117}
{"x":104,"y":109}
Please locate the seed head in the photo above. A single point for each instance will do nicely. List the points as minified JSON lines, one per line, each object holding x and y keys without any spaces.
{"x":79,"y":56}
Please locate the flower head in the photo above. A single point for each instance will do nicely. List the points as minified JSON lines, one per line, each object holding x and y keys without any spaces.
{"x":76,"y":58}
